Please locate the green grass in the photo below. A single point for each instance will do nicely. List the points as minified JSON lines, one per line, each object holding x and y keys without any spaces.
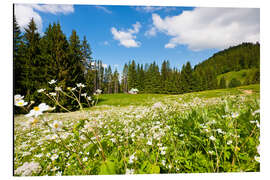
{"x":239,"y":75}
{"x":149,"y":99}
{"x":129,"y":99}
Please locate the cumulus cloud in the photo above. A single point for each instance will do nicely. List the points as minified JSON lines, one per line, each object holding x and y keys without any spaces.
{"x":205,"y":28}
{"x":25,"y":12}
{"x":127,"y":38}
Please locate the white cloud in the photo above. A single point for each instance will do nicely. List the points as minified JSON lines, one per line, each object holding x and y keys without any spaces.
{"x":151,"y":32}
{"x":205,"y":28}
{"x":25,"y":12}
{"x":54,"y":8}
{"x":148,"y":9}
{"x":104,"y":65}
{"x":127,"y":38}
{"x":104,"y":9}
{"x":151,"y":9}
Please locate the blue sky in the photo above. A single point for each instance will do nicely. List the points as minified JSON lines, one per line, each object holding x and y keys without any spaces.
{"x":119,"y":34}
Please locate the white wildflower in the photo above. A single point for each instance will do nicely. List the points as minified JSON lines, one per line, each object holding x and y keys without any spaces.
{"x":130,"y":171}
{"x":84,"y":94}
{"x":52,"y":81}
{"x":58,"y":88}
{"x":80,"y":85}
{"x":18,"y":97}
{"x":157,"y":105}
{"x":85,"y":159}
{"x":257,"y":158}
{"x":28,"y":168}
{"x":57,"y":125}
{"x":38,"y":110}
{"x":229,"y":142}
{"x":212,"y":138}
{"x":235,"y":115}
{"x":132,"y":158}
{"x":256,"y":112}
{"x":41,"y":90}
{"x":149,"y":142}
{"x":21,"y":103}
{"x":54,"y":157}
{"x":163,"y":162}
{"x":211,"y":152}
{"x":52,"y":93}
{"x":98,"y":91}
{"x":59,"y":173}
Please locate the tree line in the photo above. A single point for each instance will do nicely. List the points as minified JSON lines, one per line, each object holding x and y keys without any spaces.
{"x":39,"y":59}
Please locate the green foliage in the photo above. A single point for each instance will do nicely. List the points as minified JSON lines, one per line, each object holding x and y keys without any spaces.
{"x":234,"y":83}
{"x":222,"y":83}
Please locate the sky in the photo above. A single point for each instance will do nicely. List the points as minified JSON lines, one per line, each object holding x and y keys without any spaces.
{"x":119,"y":34}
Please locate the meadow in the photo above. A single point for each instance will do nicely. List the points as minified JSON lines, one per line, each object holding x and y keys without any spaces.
{"x":199,"y":132}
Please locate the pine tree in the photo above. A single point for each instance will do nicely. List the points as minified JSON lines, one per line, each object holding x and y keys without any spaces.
{"x":222,"y":83}
{"x":32,"y":71}
{"x":17,"y":58}
{"x":132,"y":77}
{"x":76,"y":68}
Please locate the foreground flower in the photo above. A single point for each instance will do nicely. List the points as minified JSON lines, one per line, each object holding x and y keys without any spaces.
{"x":130,"y":171}
{"x":149,"y":142}
{"x":52,"y":81}
{"x":58,"y":88}
{"x":84,"y":94}
{"x":28,"y":168}
{"x":98,"y":91}
{"x":41,"y":90}
{"x":257,"y":158}
{"x":52,"y":93}
{"x":56,"y":125}
{"x":212,"y":138}
{"x":80,"y":85}
{"x":54,"y":157}
{"x":84,"y":159}
{"x":235,"y":115}
{"x":229,"y":142}
{"x":21,"y":103}
{"x":256,"y":112}
{"x":157,"y":105}
{"x":38,"y":110}
{"x":132,"y":158}
{"x":18,"y":97}
{"x":211,"y":152}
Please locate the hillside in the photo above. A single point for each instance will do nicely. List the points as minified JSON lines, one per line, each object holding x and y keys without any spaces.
{"x":243,"y":76}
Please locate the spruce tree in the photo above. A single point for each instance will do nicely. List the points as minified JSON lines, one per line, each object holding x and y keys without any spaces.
{"x":222,"y":83}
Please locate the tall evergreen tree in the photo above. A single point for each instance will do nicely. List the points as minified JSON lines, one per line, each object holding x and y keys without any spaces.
{"x":32,"y":71}
{"x":77,"y":67}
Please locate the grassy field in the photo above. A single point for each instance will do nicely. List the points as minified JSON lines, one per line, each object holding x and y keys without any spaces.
{"x":241,"y":75}
{"x":209,"y":131}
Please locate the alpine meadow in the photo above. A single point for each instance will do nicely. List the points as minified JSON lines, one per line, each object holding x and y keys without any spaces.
{"x":160,"y":90}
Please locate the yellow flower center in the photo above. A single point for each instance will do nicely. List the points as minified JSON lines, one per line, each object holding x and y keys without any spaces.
{"x":20,"y":103}
{"x":56,"y":125}
{"x":36,"y":108}
{"x":35,"y":121}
